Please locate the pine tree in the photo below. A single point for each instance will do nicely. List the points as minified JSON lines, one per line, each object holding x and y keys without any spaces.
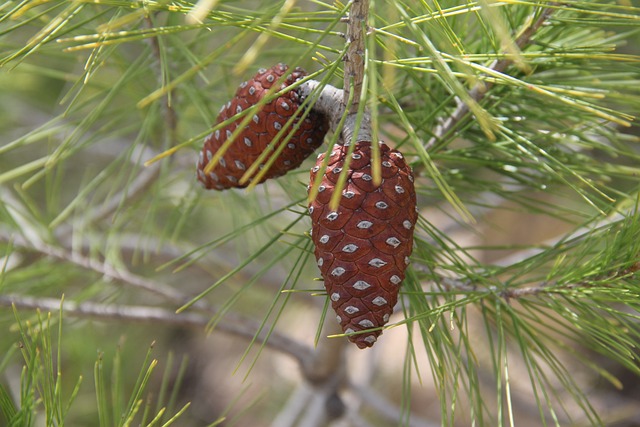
{"x":520,"y":304}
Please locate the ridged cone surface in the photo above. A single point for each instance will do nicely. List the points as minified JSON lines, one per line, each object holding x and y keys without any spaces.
{"x":363,"y":248}
{"x":260,"y":132}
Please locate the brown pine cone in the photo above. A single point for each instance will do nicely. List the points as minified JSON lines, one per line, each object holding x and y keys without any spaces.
{"x":260,"y":132}
{"x":363,"y":248}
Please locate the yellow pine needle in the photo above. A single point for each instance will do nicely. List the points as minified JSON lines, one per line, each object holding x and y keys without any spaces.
{"x":624,"y":120}
{"x":370,"y":85}
{"x":55,"y":24}
{"x":364,"y":331}
{"x":271,"y":94}
{"x":117,"y":37}
{"x":431,"y":168}
{"x":496,"y":19}
{"x":434,"y":15}
{"x":46,"y":33}
{"x":321,"y":59}
{"x":201,"y":10}
{"x":313,"y":191}
{"x":249,"y":57}
{"x":376,"y":166}
{"x":273,"y":151}
{"x":318,"y":294}
{"x":574,"y":92}
{"x":122,"y":21}
{"x":25,"y":7}
{"x":163,"y":155}
{"x":334,"y":202}
{"x":484,"y":119}
{"x":93,"y":45}
{"x":187,"y":143}
{"x":201,"y":65}
{"x":584,"y":107}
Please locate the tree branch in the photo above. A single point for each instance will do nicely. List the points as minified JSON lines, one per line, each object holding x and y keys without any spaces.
{"x":234,"y":323}
{"x":466,"y":286}
{"x":479,"y":91}
{"x":105,"y":269}
{"x":333,"y":102}
{"x":240,"y":326}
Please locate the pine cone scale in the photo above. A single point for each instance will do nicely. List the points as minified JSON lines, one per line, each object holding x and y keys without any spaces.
{"x":260,"y":131}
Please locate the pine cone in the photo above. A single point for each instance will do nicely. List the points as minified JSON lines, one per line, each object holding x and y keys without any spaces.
{"x":363,"y":248}
{"x":260,"y":131}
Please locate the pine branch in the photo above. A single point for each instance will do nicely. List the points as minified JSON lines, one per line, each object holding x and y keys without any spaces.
{"x":329,"y":101}
{"x":235,"y":325}
{"x":335,"y":103}
{"x":480,"y":90}
{"x":103,"y":268}
{"x":507,"y":292}
{"x":542,"y":288}
{"x":233,"y":322}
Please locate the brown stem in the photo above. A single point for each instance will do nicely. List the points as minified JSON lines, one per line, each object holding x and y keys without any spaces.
{"x":354,"y":69}
{"x":333,"y":102}
{"x":354,"y":57}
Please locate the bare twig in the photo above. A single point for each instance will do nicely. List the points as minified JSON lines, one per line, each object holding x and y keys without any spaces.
{"x":479,"y":91}
{"x":233,"y":323}
{"x":105,"y":269}
{"x":244,"y":328}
